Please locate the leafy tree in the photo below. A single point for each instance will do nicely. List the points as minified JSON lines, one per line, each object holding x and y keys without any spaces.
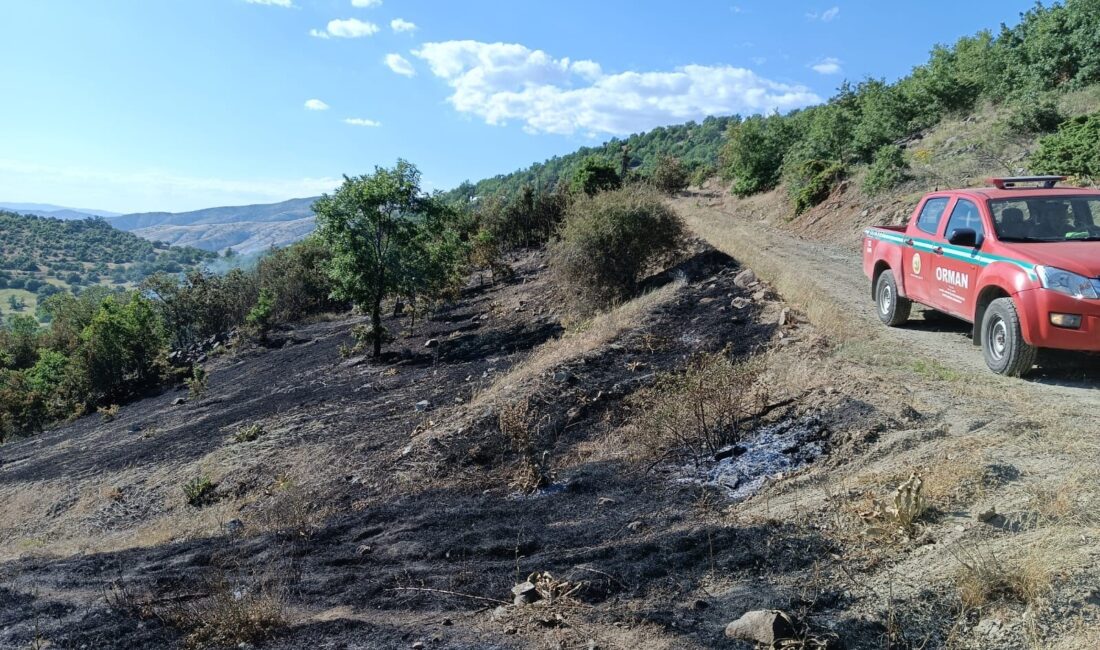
{"x":372,"y":226}
{"x":120,"y":348}
{"x":595,"y":175}
{"x":888,"y":170}
{"x":608,"y":241}
{"x":670,"y":176}
{"x":1074,"y":150}
{"x":261,"y":316}
{"x":753,"y":155}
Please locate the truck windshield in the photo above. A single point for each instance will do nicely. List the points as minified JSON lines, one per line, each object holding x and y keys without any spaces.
{"x":1047,"y":219}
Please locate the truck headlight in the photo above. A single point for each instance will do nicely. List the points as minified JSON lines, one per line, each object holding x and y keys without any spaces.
{"x":1066,"y":282}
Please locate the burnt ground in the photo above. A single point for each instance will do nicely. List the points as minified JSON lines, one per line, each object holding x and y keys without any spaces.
{"x":410,"y":526}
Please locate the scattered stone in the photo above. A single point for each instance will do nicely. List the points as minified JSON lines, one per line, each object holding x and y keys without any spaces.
{"x":563,"y":377}
{"x":178,"y":401}
{"x":759,"y":295}
{"x":353,"y":362}
{"x":423,"y":405}
{"x":988,"y":516}
{"x":365,"y":549}
{"x":419,"y":645}
{"x":784,"y":317}
{"x":740,"y":303}
{"x":745,"y":279}
{"x":699,"y":605}
{"x":233,"y":526}
{"x":764,"y":626}
{"x":431,"y":343}
{"x":706,"y":301}
{"x":606,"y":501}
{"x":525,"y":593}
{"x":635,"y":526}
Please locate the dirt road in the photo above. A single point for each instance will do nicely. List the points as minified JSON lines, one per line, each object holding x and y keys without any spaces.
{"x":836,"y":276}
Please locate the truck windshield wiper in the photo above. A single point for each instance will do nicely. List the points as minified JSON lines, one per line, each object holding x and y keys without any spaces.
{"x":1031,"y":240}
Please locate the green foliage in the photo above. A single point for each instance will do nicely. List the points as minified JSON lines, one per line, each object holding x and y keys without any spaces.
{"x":249,"y":433}
{"x":1074,"y":150}
{"x":887,"y":170}
{"x":1033,"y":113}
{"x":121,"y":347}
{"x":693,"y":143}
{"x":608,"y":242}
{"x":202,"y":304}
{"x":199,"y":491}
{"x":753,"y":155}
{"x":386,"y":239}
{"x":261,"y":316}
{"x":809,"y":182}
{"x":295,"y":277}
{"x":595,"y":175}
{"x":196,"y":383}
{"x":702,"y":174}
{"x":671,"y":177}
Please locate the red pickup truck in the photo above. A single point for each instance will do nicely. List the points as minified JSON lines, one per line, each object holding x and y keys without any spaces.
{"x":1019,"y":260}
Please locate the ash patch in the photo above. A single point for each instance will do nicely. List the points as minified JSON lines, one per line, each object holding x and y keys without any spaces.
{"x":768,"y":454}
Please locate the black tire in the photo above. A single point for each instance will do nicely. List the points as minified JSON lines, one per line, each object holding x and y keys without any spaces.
{"x":892,"y":309}
{"x":1003,"y":345}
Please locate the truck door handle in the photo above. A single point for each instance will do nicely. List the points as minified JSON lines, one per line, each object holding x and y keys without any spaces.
{"x":938,"y":250}
{"x":909,"y":241}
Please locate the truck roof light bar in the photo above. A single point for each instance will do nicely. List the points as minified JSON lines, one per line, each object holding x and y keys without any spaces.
{"x":1013,"y":182}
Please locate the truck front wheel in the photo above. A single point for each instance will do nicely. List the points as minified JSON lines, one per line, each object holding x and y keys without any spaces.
{"x":1006,"y":352}
{"x":892,"y":309}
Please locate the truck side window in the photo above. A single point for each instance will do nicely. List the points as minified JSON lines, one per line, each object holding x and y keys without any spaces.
{"x":930,"y":215}
{"x":965,"y":215}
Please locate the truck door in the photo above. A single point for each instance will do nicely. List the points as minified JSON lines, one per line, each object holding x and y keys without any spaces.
{"x":916,"y":254}
{"x":955,"y":268}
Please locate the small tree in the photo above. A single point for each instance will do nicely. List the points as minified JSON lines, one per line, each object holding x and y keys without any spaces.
{"x":1072,"y":150}
{"x":608,"y":242}
{"x":671,"y":177}
{"x":371,"y":225}
{"x":595,"y":175}
{"x":261,"y":317}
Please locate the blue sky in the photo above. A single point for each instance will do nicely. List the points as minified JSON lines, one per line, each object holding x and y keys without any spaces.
{"x":140,"y":105}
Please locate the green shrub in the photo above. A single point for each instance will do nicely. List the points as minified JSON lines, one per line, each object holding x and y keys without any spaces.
{"x":262,"y":315}
{"x":609,"y":241}
{"x":810,"y":182}
{"x":753,"y":154}
{"x":1073,"y":150}
{"x":1033,"y":113}
{"x":249,"y":433}
{"x":199,"y":491}
{"x":595,"y":175}
{"x":888,"y":169}
{"x":196,"y":383}
{"x":670,"y":176}
{"x":702,"y":174}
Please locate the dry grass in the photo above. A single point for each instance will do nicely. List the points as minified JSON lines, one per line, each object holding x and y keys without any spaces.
{"x":1074,"y":499}
{"x":522,"y":426}
{"x":984,"y":578}
{"x":229,"y":614}
{"x":749,"y":247}
{"x":699,"y":411}
{"x":585,"y":337}
{"x":289,"y":510}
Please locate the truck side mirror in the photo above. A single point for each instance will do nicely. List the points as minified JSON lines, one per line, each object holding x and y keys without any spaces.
{"x":967,"y":237}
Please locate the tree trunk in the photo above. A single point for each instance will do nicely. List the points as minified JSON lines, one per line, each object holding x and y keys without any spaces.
{"x":376,"y":327}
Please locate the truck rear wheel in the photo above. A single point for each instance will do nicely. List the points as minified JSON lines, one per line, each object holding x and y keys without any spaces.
{"x":1006,"y":352}
{"x":892,"y":309}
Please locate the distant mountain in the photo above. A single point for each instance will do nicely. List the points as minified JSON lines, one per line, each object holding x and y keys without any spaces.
{"x":55,"y":211}
{"x":246,"y":229}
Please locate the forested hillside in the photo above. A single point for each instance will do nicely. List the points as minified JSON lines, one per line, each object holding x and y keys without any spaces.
{"x":40,"y":256}
{"x":696,"y":146}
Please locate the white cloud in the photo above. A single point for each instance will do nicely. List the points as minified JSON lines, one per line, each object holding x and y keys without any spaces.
{"x":502,"y":82}
{"x":272,"y":3}
{"x":401,"y":25}
{"x":316,"y":105}
{"x":400,"y":65}
{"x":350,"y":28}
{"x":829,"y":65}
{"x":364,"y":4}
{"x":358,"y":121}
{"x":824,"y":16}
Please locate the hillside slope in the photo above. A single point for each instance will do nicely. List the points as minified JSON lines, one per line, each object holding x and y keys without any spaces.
{"x":246,"y":229}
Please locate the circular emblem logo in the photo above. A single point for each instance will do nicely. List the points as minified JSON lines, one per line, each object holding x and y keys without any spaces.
{"x":916,"y":264}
